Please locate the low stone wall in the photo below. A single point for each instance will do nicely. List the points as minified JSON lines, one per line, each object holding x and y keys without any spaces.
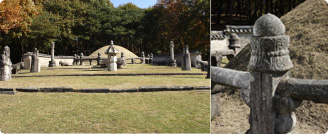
{"x":44,"y":60}
{"x":103,"y":90}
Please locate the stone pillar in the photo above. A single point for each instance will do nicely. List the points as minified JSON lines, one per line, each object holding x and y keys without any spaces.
{"x":112,"y":59}
{"x":269,"y":63}
{"x":151,"y":58}
{"x":143,"y":58}
{"x":98,"y":58}
{"x":5,"y":65}
{"x":75,"y":59}
{"x":81,"y":59}
{"x":172,"y":61}
{"x":35,"y":67}
{"x":133,"y":61}
{"x":123,"y":58}
{"x":186,"y":59}
{"x":52,"y":63}
{"x":148,"y":57}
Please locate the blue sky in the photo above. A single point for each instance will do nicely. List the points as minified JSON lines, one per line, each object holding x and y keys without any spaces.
{"x":139,"y":3}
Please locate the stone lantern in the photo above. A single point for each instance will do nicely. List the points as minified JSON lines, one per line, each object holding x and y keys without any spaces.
{"x":112,"y":59}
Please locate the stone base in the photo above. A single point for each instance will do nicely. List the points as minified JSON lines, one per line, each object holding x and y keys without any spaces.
{"x":112,"y":67}
{"x":173,"y":64}
{"x":52,"y":64}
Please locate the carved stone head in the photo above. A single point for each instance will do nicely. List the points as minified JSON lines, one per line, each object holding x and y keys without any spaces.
{"x":269,"y":46}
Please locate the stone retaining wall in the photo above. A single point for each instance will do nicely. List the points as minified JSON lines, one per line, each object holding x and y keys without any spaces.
{"x":103,"y":90}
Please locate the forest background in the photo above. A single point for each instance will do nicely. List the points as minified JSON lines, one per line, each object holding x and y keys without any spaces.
{"x":83,"y":26}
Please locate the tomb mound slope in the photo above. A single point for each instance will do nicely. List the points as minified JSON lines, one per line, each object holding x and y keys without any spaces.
{"x":127,"y":53}
{"x":307,"y":26}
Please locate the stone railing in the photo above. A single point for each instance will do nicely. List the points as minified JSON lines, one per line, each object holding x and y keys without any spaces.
{"x":267,"y":89}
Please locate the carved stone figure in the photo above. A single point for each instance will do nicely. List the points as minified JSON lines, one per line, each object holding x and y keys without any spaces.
{"x":17,"y":67}
{"x":52,"y":63}
{"x":186,"y":65}
{"x":172,"y":61}
{"x":35,"y":66}
{"x":5,"y":65}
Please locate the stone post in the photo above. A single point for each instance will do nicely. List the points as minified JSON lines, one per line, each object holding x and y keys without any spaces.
{"x":112,"y":59}
{"x":5,"y":65}
{"x":98,"y":58}
{"x":123,"y":58}
{"x":186,"y":59}
{"x":81,"y":59}
{"x":269,"y":64}
{"x":143,"y":58}
{"x":208,"y":76}
{"x":52,"y":63}
{"x":35,"y":67}
{"x":172,"y":61}
{"x":133,"y":61}
{"x":151,"y":58}
{"x":148,"y":58}
{"x":234,"y":45}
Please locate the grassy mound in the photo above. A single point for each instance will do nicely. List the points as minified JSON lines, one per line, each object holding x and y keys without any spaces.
{"x":307,"y":26}
{"x":127,"y":53}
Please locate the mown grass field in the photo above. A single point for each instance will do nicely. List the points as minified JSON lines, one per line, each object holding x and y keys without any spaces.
{"x":157,"y":112}
{"x":152,"y":112}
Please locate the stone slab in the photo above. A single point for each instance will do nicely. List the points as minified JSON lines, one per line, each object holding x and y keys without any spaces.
{"x":180,"y":88}
{"x":27,"y":89}
{"x":57,"y":89}
{"x":153,"y":88}
{"x":124,"y":90}
{"x":93,"y":90}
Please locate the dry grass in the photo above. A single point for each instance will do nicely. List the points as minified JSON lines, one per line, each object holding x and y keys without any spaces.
{"x":169,"y":112}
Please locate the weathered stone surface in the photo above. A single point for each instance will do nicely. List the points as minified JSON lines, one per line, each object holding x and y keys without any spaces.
{"x":63,"y":63}
{"x":153,"y":88}
{"x":231,"y":77}
{"x":56,"y":89}
{"x":186,"y":61}
{"x":5,"y":65}
{"x":202,"y":88}
{"x":35,"y":66}
{"x":112,"y":59}
{"x":180,"y":88}
{"x":172,"y":60}
{"x":269,"y":25}
{"x":93,"y":90}
{"x":143,"y":60}
{"x":81,"y":59}
{"x":27,"y":89}
{"x":234,"y":45}
{"x":124,"y":90}
{"x":17,"y":67}
{"x":305,"y":89}
{"x":52,"y":62}
{"x":215,"y":105}
{"x":6,"y":89}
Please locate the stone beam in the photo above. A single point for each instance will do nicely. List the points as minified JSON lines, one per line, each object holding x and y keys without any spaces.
{"x":306,"y":89}
{"x":229,"y":77}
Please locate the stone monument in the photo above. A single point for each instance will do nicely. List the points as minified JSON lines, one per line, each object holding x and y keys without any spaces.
{"x":143,"y":58}
{"x":35,"y":66}
{"x":172,"y":61}
{"x":98,"y":58}
{"x":234,"y":45}
{"x":81,"y":59}
{"x":186,"y":59}
{"x":5,"y":65}
{"x":123,"y":58}
{"x":52,"y":63}
{"x":151,"y":58}
{"x":112,"y":59}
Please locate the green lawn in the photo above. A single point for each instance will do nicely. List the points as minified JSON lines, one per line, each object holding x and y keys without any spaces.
{"x":153,"y":112}
{"x":112,"y":82}
{"x":156,"y":112}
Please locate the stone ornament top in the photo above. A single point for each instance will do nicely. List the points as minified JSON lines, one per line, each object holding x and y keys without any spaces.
{"x":269,"y":46}
{"x":111,"y":49}
{"x":269,"y":25}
